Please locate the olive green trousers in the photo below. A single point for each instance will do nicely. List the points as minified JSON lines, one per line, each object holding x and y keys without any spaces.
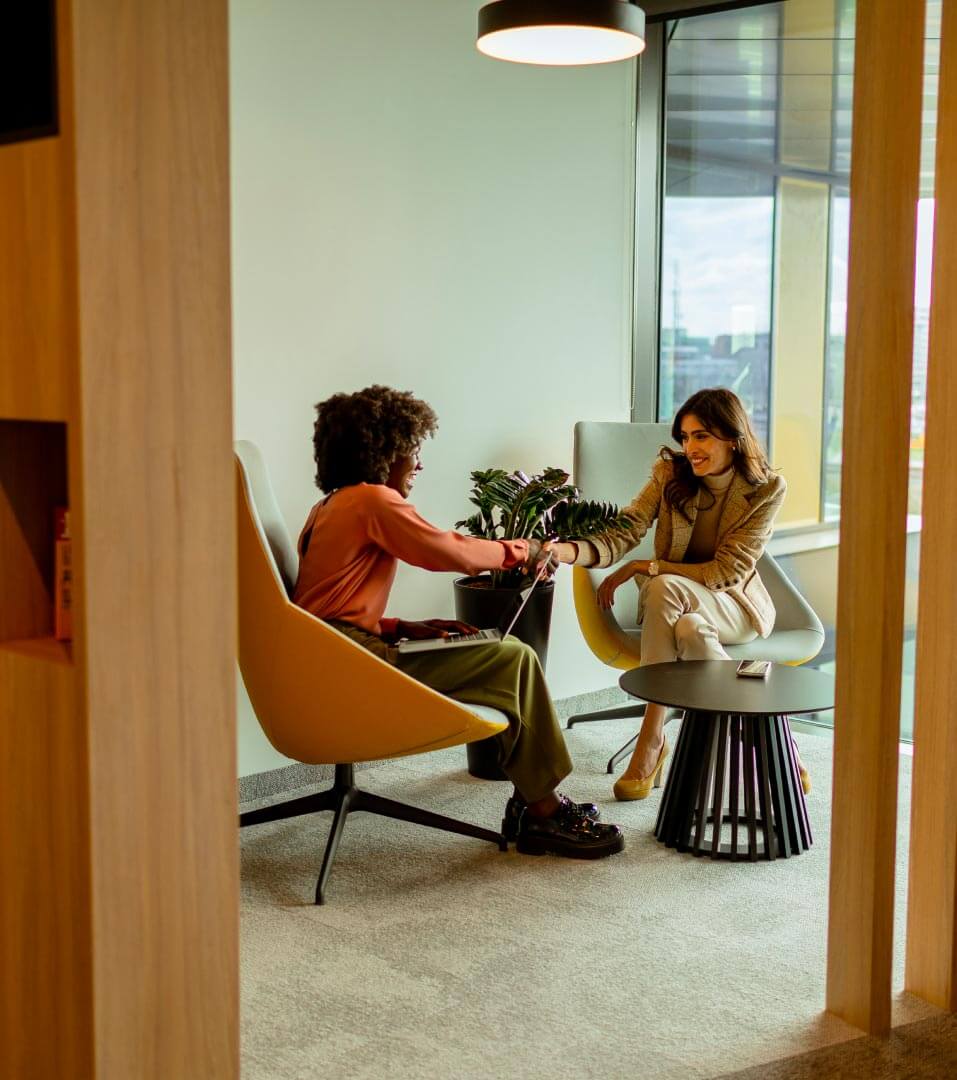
{"x":505,"y":676}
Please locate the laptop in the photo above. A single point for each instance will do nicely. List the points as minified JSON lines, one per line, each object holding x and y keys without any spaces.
{"x":481,"y":637}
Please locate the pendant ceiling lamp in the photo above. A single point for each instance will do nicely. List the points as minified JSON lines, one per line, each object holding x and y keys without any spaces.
{"x":561,"y":32}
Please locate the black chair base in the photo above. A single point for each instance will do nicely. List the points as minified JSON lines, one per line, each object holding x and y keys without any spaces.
{"x":765,"y":816}
{"x":344,"y":798}
{"x":623,"y":712}
{"x":620,"y":753}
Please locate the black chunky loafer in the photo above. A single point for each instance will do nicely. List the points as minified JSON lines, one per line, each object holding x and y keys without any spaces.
{"x":515,"y":808}
{"x":568,"y":833}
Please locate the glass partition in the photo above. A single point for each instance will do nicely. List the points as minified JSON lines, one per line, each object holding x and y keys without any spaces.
{"x":757,"y":117}
{"x":721,"y":101}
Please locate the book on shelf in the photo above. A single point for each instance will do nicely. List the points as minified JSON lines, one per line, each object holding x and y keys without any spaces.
{"x":62,"y":577}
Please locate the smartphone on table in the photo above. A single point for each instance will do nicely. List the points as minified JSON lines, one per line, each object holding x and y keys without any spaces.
{"x":754,"y":669}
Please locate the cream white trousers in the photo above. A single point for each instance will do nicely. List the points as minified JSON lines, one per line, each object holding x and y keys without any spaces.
{"x":682,"y":620}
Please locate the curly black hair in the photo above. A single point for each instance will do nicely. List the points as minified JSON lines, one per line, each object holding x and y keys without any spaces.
{"x":358,"y":436}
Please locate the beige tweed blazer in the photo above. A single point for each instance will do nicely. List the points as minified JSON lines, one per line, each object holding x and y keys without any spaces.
{"x":744,"y":529}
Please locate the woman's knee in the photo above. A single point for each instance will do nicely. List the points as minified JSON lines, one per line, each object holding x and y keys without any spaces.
{"x":697,"y":639}
{"x":518,"y":653}
{"x":664,"y":593}
{"x":688,"y":628}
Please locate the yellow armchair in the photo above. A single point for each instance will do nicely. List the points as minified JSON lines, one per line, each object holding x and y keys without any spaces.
{"x":320,"y":697}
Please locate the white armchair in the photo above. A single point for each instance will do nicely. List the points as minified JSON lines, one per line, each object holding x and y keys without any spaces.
{"x":612,"y":462}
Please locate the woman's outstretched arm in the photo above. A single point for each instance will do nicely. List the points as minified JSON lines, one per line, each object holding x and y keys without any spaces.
{"x":606,"y":548}
{"x":397,"y":527}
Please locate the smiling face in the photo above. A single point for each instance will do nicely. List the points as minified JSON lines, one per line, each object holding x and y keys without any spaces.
{"x":709,"y":455}
{"x":402,"y":473}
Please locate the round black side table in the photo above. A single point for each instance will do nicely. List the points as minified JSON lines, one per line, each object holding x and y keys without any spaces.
{"x":735,"y":733}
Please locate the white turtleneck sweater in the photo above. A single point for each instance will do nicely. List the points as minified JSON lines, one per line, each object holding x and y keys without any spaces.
{"x":711,"y":499}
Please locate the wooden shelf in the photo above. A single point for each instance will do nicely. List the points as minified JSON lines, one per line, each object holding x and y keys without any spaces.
{"x":41,"y":648}
{"x":33,"y":483}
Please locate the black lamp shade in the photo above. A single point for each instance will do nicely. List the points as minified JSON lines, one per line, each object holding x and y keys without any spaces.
{"x":561,"y":32}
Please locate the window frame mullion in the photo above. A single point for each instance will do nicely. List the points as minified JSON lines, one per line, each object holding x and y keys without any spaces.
{"x":649,"y":204}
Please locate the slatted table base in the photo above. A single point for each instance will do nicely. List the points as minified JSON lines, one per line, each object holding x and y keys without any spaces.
{"x":749,"y":759}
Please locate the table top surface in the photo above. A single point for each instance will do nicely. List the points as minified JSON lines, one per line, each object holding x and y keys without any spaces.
{"x":714,"y":686}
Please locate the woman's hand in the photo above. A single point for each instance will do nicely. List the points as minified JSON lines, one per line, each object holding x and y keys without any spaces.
{"x":540,"y":551}
{"x":432,"y":628}
{"x":611,"y":584}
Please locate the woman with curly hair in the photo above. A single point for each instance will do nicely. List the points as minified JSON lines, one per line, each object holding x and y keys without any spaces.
{"x":367,"y":459}
{"x":715,"y":502}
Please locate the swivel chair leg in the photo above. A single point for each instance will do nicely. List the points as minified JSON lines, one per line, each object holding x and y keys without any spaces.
{"x":623,"y":752}
{"x":305,"y":804}
{"x":621,"y":713}
{"x":345,"y":801}
{"x":630,"y":745}
{"x":379,"y":804}
{"x":344,"y":798}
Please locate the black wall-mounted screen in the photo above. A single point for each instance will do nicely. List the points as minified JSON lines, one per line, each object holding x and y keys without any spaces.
{"x":28,"y":86}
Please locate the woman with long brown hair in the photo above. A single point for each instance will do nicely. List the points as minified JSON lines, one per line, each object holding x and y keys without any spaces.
{"x":714,"y":502}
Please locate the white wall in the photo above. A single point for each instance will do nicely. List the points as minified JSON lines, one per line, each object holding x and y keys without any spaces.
{"x":407,"y":211}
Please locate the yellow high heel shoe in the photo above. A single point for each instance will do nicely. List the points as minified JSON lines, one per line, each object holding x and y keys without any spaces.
{"x":804,"y":775}
{"x":629,"y":790}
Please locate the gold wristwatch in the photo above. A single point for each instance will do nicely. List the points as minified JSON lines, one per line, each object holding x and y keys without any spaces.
{"x":653,"y":568}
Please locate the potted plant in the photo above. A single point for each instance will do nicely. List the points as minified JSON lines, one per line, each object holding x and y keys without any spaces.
{"x":513,"y":506}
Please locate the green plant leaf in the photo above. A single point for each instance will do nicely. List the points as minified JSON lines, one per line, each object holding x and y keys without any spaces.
{"x":576,"y":520}
{"x":515,"y":506}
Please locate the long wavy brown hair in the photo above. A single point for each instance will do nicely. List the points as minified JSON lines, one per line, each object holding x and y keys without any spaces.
{"x":722,"y":413}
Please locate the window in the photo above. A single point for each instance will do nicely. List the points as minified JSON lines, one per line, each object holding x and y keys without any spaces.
{"x":756,"y":107}
{"x":750,"y":257}
{"x":721,"y":92}
{"x":753,"y":104}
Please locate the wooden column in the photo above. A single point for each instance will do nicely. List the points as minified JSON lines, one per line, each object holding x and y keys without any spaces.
{"x":932,"y":905}
{"x":152,"y":190}
{"x":885,"y":161}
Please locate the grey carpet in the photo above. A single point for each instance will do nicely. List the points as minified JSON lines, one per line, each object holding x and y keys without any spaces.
{"x":926,"y":1050}
{"x":439,"y":957}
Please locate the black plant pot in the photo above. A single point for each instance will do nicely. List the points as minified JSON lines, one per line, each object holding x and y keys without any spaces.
{"x":477,"y":603}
